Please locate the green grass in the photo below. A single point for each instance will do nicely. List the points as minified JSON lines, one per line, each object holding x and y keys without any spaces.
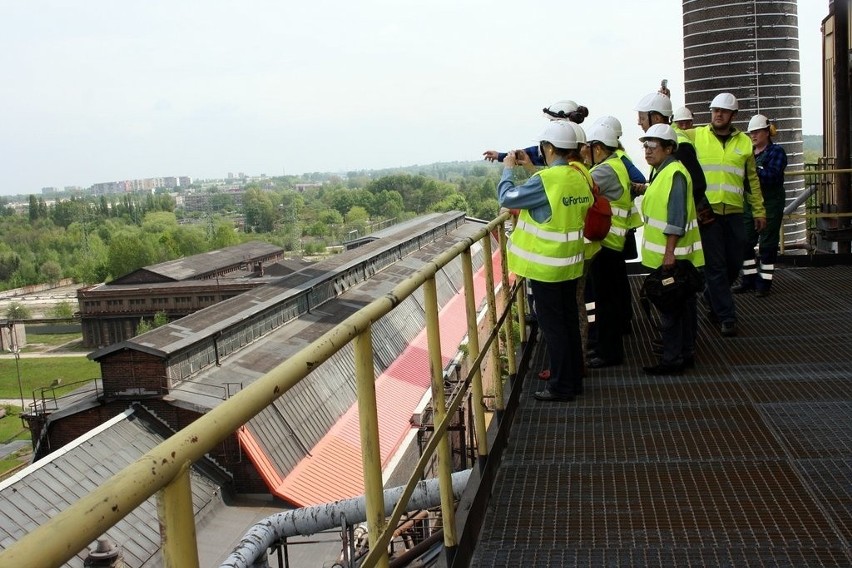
{"x":37,"y":372}
{"x":50,"y":339}
{"x":11,"y":426}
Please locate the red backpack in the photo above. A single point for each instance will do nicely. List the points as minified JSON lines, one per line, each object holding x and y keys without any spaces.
{"x":599,"y":215}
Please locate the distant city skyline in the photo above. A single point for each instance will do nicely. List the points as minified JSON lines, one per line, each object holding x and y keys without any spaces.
{"x":103,"y":91}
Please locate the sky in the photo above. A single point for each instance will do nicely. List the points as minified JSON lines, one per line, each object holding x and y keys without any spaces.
{"x":104,"y":90}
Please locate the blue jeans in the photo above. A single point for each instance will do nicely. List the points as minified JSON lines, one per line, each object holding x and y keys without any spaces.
{"x":724,"y":243}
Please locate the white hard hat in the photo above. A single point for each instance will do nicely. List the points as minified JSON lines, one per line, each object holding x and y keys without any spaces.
{"x":559,"y":133}
{"x":726,"y":101}
{"x":578,"y":132}
{"x":612,"y":122}
{"x":603,"y":134}
{"x":661,"y":131}
{"x":560,"y":110}
{"x":757,"y":122}
{"x":655,"y":102}
{"x":682,"y":113}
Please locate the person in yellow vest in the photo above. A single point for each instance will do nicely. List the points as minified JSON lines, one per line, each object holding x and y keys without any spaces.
{"x":682,"y":119}
{"x":547,"y":248}
{"x":670,"y":234}
{"x":656,"y":108}
{"x":725,"y":155}
{"x":609,"y":269}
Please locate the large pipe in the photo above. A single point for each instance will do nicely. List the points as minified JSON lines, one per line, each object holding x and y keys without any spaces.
{"x":251,"y":551}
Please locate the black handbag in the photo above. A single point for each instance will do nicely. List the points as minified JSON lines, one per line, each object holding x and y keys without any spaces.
{"x":668,"y":290}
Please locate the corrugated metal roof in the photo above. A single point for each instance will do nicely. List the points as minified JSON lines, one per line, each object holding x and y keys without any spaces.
{"x":196,"y":327}
{"x":333,"y":468}
{"x":40,"y":491}
{"x":193,"y":267}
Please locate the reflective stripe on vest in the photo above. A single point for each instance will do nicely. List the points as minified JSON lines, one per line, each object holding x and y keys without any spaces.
{"x":621,"y":207}
{"x":553,"y":251}
{"x":655,"y":209}
{"x":724,"y":166}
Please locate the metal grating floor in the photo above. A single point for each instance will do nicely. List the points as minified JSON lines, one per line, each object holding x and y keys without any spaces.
{"x":744,"y":461}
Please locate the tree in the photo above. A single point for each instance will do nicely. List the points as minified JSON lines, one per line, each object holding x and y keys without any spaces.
{"x":9,"y":263}
{"x":18,"y":311}
{"x":129,"y":252}
{"x":259,"y":211}
{"x":224,"y":235}
{"x":63,"y":310}
{"x":51,"y":271}
{"x":454,"y":202}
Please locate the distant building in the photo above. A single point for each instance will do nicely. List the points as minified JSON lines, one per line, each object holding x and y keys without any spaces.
{"x":111,"y":312}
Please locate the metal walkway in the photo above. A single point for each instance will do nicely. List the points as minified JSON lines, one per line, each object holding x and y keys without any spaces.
{"x":744,"y":461}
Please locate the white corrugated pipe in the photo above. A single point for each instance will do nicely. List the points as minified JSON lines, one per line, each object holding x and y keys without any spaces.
{"x":311,"y":520}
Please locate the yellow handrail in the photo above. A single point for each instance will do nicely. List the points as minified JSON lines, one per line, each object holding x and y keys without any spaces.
{"x":165,"y":467}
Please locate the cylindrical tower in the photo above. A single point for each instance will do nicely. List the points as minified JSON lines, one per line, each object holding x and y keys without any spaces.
{"x":749,"y":48}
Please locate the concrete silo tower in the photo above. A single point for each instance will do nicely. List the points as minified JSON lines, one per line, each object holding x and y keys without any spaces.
{"x":749,"y":48}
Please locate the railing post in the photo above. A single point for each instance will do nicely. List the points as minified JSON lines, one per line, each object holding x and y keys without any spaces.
{"x":436,"y":366}
{"x":496,"y":365}
{"x":508,"y":327}
{"x":473,"y":353}
{"x":521,"y":302}
{"x":365,"y":379}
{"x":177,"y":522}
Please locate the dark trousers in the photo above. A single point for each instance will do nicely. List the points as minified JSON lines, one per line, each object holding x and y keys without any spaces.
{"x":762,"y":265}
{"x":612,"y":303}
{"x":678,"y":329}
{"x":723,"y":242}
{"x":558,"y":319}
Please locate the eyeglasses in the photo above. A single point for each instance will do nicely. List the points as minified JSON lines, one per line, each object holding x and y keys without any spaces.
{"x":650,"y":145}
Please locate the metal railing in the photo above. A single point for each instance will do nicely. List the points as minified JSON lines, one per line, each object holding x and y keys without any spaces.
{"x":164,"y":471}
{"x":817,"y":197}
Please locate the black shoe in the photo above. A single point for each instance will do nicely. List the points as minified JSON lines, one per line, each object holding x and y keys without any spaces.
{"x":547,"y":395}
{"x":664,"y":369}
{"x":628,"y":328}
{"x":689,"y":362}
{"x":742,"y":289}
{"x":762,"y":293}
{"x":728,"y":328}
{"x":600,"y":362}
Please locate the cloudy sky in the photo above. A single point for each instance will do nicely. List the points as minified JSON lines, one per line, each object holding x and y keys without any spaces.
{"x":103,"y":90}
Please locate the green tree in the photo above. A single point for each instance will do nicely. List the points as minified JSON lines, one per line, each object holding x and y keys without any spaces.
{"x":128,"y":251}
{"x":51,"y":271}
{"x":454,"y":202}
{"x":18,"y":311}
{"x":63,"y":310}
{"x":9,"y":262}
{"x":144,"y":326}
{"x":259,"y":211}
{"x":224,"y":235}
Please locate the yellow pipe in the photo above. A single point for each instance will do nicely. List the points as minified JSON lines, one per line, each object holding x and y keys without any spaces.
{"x":436,"y":366}
{"x":370,"y":449}
{"x":496,"y":365}
{"x":177,"y":522}
{"x":508,"y":326}
{"x":473,"y":351}
{"x":439,"y":431}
